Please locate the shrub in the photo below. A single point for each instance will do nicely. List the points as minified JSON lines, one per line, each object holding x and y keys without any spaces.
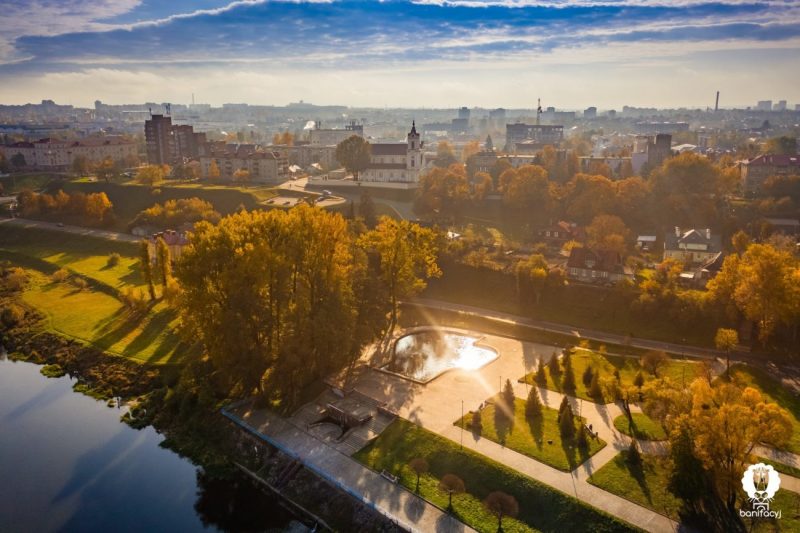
{"x":533,"y":406}
{"x":59,"y":275}
{"x":555,"y":368}
{"x":587,"y":377}
{"x":541,"y":377}
{"x":15,"y":279}
{"x":113,"y":260}
{"x":172,"y":291}
{"x":508,"y":396}
{"x":79,"y":283}
{"x":12,"y":315}
{"x":568,"y":382}
{"x":477,"y":423}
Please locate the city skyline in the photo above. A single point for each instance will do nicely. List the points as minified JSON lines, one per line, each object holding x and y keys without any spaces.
{"x":493,"y":53}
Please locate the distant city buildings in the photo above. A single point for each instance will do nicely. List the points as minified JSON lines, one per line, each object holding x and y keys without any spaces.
{"x":320,"y":136}
{"x":53,"y":154}
{"x":764,"y":105}
{"x":757,"y":170}
{"x":650,"y":151}
{"x":527,"y":138}
{"x":590,"y":112}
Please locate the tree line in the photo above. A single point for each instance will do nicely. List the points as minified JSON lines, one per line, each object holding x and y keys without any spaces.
{"x":93,"y":209}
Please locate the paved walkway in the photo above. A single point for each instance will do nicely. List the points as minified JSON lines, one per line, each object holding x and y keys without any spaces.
{"x":76,"y":230}
{"x":408,"y":510}
{"x":436,"y":405}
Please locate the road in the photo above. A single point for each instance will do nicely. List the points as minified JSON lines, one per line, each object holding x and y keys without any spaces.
{"x":75,"y":230}
{"x":404,"y":210}
{"x":581,"y":333}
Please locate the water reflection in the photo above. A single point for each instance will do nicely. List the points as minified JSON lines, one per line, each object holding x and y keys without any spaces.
{"x":424,"y":355}
{"x":75,"y":467}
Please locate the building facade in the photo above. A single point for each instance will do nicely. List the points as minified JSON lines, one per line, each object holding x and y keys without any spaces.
{"x":528,"y":137}
{"x":263,"y":166}
{"x":396,"y":162}
{"x":592,"y":266}
{"x":692,"y":246}
{"x":756,"y":171}
{"x":320,"y":136}
{"x":59,"y":155}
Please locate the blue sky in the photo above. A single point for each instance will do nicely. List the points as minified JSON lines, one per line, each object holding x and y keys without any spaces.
{"x":571,"y":53}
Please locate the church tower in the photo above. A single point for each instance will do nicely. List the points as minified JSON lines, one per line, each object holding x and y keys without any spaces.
{"x":414,"y":153}
{"x":489,"y":145}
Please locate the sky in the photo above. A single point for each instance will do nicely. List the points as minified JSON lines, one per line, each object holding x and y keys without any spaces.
{"x":397,"y":53}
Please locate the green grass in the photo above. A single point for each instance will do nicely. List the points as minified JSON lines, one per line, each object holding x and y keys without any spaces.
{"x":18,"y":182}
{"x":747,"y":376}
{"x":646,"y":485}
{"x":643,"y":428}
{"x":541,"y":507}
{"x":102,"y":321}
{"x":677,"y":370}
{"x":780,"y":467}
{"x":540,"y":441}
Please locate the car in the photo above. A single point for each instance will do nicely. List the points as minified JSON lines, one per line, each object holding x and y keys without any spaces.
{"x":60,"y":224}
{"x":327,"y":193}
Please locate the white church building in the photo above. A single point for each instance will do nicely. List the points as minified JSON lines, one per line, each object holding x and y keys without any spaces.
{"x":399,"y":163}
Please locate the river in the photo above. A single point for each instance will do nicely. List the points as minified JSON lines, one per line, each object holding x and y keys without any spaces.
{"x":68,"y":464}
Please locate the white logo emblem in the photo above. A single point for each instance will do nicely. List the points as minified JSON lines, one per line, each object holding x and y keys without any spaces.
{"x":760,"y":482}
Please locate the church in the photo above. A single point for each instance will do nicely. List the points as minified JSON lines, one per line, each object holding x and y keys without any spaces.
{"x":396,"y":162}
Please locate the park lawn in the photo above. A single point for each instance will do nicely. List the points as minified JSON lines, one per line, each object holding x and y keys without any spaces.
{"x":540,"y":507}
{"x":87,"y":256}
{"x":644,"y":427}
{"x":780,"y":467}
{"x":17,"y":183}
{"x":747,"y":376}
{"x":676,"y":369}
{"x":538,"y":441}
{"x":101,"y":320}
{"x":646,"y":485}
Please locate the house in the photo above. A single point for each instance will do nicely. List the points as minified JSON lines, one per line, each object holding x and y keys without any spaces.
{"x":174,"y":240}
{"x":756,"y":171}
{"x":265,"y":166}
{"x":646,"y":243}
{"x":562,"y":232}
{"x":593,"y":266}
{"x":692,"y":246}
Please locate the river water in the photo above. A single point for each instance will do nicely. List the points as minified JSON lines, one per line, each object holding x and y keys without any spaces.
{"x":68,"y":464}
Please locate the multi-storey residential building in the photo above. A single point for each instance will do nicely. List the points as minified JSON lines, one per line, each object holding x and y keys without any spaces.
{"x":757,"y":170}
{"x":263,"y":166}
{"x":53,"y":154}
{"x":160,"y":140}
{"x":650,"y":152}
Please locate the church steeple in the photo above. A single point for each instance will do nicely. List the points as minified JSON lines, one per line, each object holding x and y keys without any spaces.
{"x":413,"y":128}
{"x":489,"y":146}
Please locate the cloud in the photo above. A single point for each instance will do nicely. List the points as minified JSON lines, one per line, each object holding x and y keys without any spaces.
{"x":348,"y":38}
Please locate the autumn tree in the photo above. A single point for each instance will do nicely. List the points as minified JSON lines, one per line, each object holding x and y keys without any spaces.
{"x":164,"y":262}
{"x":80,"y":165}
{"x":531,"y":276}
{"x":470,"y":149}
{"x":501,"y":504}
{"x":150,"y":175}
{"x":213,"y":170}
{"x":241,"y":175}
{"x":686,"y":187}
{"x":482,"y":186}
{"x":272,"y":297}
{"x":726,"y":340}
{"x":783,"y":145}
{"x":106,"y":169}
{"x":407,"y":254}
{"x":366,"y":209}
{"x":608,"y":233}
{"x":728,"y":422}
{"x":527,"y":188}
{"x":444,"y":155}
{"x":174,"y":213}
{"x":653,"y":360}
{"x":420,"y":466}
{"x":442,"y":192}
{"x":353,"y":154}
{"x":147,"y":267}
{"x":451,"y":484}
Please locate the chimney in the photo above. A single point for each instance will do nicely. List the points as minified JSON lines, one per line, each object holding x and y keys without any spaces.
{"x":677,"y":231}
{"x":708,"y":233}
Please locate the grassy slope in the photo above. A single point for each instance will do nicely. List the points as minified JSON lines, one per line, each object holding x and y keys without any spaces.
{"x":753,"y":377}
{"x":677,"y":370}
{"x":94,"y":315}
{"x":541,"y":507}
{"x":578,"y":305}
{"x":644,"y":427}
{"x":532,"y":440}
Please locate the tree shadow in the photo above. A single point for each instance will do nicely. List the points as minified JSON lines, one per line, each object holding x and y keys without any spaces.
{"x":570,"y":452}
{"x":536,"y":426}
{"x":636,"y":470}
{"x":503,"y":421}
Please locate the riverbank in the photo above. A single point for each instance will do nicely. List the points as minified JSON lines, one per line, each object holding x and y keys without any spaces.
{"x":159,"y":396}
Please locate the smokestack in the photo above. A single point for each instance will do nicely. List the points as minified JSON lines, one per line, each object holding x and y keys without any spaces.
{"x":716,"y":105}
{"x":708,"y":233}
{"x":677,"y":231}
